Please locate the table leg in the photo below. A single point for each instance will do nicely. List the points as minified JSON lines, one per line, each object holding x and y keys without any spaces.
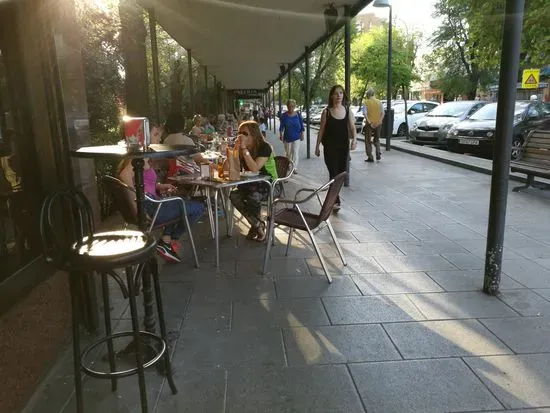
{"x":217,"y":229}
{"x":228,"y":212}
{"x":209,"y":207}
{"x":149,"y":319}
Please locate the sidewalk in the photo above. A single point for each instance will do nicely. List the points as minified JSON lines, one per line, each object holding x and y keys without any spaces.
{"x":403,"y":328}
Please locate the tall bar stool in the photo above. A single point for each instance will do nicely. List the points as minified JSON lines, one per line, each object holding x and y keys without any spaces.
{"x":80,"y":252}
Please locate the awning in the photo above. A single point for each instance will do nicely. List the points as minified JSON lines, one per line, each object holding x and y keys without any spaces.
{"x":244,"y":42}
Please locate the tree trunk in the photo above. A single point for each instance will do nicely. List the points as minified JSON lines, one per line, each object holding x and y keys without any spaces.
{"x":132,"y":40}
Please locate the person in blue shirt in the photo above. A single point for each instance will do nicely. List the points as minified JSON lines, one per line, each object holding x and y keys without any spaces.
{"x":291,"y":131}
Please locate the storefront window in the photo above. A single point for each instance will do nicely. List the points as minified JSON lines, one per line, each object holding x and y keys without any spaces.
{"x":18,"y":205}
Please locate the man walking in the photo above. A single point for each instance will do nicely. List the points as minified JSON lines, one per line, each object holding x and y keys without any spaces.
{"x":374,"y":115}
{"x":292,"y":132}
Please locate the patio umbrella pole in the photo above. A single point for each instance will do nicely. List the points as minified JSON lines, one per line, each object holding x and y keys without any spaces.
{"x":307,"y":98}
{"x":347,"y":72}
{"x":509,"y":67}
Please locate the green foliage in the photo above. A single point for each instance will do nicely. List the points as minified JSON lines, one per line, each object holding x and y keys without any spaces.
{"x":370,"y":60}
{"x":467,"y":45}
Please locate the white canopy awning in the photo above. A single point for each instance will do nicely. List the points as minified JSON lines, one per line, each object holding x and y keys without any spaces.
{"x":244,"y":42}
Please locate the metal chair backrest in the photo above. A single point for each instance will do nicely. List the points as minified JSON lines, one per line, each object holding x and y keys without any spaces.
{"x":124,"y":198}
{"x":282,"y":164}
{"x":332,"y":196}
{"x":65,"y":219}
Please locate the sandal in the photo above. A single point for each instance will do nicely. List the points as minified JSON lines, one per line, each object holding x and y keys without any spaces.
{"x":261,"y":231}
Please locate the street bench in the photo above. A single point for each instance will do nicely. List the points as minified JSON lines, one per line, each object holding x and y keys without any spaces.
{"x":535,"y":159}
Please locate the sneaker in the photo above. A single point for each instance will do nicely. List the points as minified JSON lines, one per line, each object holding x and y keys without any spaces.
{"x":175,"y":246}
{"x":167,"y":252}
{"x":378,"y":156}
{"x":336,"y":207}
{"x":369,"y":160}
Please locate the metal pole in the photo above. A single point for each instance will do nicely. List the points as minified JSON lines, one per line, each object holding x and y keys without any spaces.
{"x":216,"y":96}
{"x":307,"y":98}
{"x":155,"y":56}
{"x":206,"y":103}
{"x":347,"y":71}
{"x":280,"y":100}
{"x":289,"y":83}
{"x":190,"y":74}
{"x":273,"y":106}
{"x":389,"y":125}
{"x":509,"y":67}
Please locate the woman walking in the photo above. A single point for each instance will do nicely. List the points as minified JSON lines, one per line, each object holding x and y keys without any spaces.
{"x":336,"y":131}
{"x":292,"y":132}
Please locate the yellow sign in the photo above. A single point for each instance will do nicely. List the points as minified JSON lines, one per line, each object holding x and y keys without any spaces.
{"x":530,"y":79}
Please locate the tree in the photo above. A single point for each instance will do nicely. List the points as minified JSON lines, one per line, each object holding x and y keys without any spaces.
{"x":468,"y":43}
{"x":370,"y":59}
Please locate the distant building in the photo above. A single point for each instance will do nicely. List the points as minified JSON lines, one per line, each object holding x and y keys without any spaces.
{"x":367,"y":21}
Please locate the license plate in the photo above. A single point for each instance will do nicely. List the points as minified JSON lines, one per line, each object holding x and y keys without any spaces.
{"x":426,"y":134}
{"x":466,"y":141}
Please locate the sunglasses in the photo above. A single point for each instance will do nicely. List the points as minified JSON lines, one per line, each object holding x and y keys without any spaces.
{"x":243,"y":133}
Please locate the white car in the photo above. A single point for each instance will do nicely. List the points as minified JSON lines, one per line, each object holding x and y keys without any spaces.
{"x":415,"y":110}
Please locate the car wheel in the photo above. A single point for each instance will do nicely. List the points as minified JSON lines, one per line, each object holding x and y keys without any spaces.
{"x":517,"y":143}
{"x":402,"y":130}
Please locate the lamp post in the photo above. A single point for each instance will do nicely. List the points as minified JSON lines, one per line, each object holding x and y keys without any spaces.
{"x":389,"y":125}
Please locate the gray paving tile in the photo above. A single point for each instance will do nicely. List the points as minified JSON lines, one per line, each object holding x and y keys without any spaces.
{"x":373,"y":309}
{"x":478,"y":248}
{"x":469,"y":280}
{"x":457,"y":232}
{"x":517,"y":381}
{"x":276,"y":267}
{"x":522,"y":334}
{"x":251,"y":315}
{"x":198,"y":391}
{"x":319,"y":389}
{"x":414,"y":263}
{"x":460,"y":305}
{"x":541,"y":253}
{"x":465,"y":261}
{"x":527,"y":273}
{"x":526,"y":302}
{"x":208,"y":316}
{"x":428,"y":247}
{"x":207,"y":350}
{"x":344,"y":237}
{"x":396,"y":283}
{"x":338,"y":344}
{"x":369,"y":249}
{"x":544,"y":262}
{"x":517,"y":411}
{"x":227,"y":290}
{"x":355,"y":265}
{"x":384,"y":236}
{"x":428,"y":235}
{"x":315,"y":287}
{"x":422,"y":386}
{"x":545,"y":292}
{"x":452,"y":338}
{"x":414,"y":224}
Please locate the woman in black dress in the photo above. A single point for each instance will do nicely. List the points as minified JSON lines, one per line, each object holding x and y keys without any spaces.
{"x":336,"y":133}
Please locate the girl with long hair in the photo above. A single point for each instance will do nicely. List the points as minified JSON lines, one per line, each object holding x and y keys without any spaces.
{"x":257,"y":156}
{"x":336,"y":133}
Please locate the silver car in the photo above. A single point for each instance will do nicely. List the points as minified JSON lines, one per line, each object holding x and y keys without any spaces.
{"x":432,"y":129}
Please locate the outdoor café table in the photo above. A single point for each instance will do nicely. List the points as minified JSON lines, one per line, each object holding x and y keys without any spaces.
{"x":118,"y":152}
{"x":220,"y":186}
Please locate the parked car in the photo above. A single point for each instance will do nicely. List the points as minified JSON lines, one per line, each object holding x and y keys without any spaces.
{"x":433,"y":128}
{"x":476,"y":134}
{"x":415,"y":110}
{"x":358,"y":113}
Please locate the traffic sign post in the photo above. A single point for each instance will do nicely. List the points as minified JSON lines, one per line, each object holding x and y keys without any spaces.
{"x":530,"y":79}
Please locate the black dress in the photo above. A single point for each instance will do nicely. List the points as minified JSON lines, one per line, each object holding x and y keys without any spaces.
{"x":336,"y":144}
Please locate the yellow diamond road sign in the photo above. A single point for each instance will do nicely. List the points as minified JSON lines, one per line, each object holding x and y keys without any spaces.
{"x":530,"y":79}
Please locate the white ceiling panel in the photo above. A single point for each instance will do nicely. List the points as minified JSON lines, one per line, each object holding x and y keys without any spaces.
{"x":244,"y":42}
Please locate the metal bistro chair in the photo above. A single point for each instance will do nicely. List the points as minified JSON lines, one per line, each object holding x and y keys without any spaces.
{"x":285,"y":169}
{"x":125,"y":200}
{"x":294,"y":218}
{"x":82,"y":251}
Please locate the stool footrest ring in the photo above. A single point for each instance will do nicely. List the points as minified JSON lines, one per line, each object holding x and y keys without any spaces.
{"x":122,"y":373}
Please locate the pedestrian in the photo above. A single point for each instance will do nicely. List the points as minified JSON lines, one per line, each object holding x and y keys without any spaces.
{"x":291,"y":131}
{"x":336,"y":133}
{"x":374,"y":115}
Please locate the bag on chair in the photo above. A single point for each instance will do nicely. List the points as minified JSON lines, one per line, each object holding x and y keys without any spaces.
{"x":234,"y":164}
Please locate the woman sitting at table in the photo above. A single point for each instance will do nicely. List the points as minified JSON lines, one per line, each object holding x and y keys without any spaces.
{"x":168,"y":244}
{"x":257,"y":156}
{"x":197,"y":129}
